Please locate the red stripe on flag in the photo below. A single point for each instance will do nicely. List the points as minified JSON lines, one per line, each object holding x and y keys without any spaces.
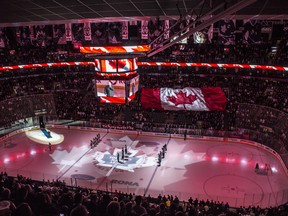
{"x":150,"y":98}
{"x":215,"y":98}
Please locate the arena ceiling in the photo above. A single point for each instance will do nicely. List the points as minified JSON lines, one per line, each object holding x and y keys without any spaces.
{"x":18,"y":12}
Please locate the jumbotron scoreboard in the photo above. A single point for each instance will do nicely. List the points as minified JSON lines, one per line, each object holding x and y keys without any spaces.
{"x":116,"y":78}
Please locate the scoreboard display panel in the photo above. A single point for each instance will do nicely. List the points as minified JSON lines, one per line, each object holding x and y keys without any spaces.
{"x":116,"y":65}
{"x":117,"y":91}
{"x":115,"y":49}
{"x":111,"y":88}
{"x":125,"y":65}
{"x":133,"y":86}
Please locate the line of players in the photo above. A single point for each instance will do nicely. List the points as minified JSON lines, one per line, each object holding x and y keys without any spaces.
{"x":124,"y":155}
{"x":161,"y":155}
{"x":95,"y":141}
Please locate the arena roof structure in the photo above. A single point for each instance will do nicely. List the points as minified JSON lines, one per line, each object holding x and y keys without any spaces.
{"x":19,"y":12}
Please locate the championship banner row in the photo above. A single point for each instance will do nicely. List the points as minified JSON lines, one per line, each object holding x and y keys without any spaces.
{"x":224,"y":31}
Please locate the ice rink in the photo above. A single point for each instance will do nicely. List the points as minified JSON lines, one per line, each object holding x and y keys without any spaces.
{"x":203,"y":169}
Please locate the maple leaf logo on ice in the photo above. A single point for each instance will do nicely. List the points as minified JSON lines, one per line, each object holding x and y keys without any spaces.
{"x":106,"y":159}
{"x":182,"y":98}
{"x":64,"y":159}
{"x":136,"y":158}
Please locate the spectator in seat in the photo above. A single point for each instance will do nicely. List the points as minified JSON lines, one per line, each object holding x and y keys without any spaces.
{"x":23,"y":210}
{"x":137,"y":207}
{"x":79,"y":210}
{"x":113,"y":209}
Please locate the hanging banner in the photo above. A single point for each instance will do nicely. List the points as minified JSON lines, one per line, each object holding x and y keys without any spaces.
{"x":59,"y":36}
{"x":2,"y":37}
{"x":144,"y":29}
{"x":252,"y":31}
{"x":125,"y":30}
{"x":78,"y":32}
{"x":25,"y":35}
{"x":31,"y":29}
{"x":87,"y":31}
{"x":210,"y":33}
{"x":68,"y":32}
{"x":187,"y":24}
{"x":166,"y":29}
{"x":99,"y":33}
{"x":226,"y":32}
{"x":114,"y":32}
{"x":40,"y":32}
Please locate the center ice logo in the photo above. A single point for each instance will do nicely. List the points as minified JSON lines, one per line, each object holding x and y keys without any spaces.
{"x":125,"y":158}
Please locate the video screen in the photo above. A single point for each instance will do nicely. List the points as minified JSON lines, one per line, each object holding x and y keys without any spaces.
{"x":116,"y":65}
{"x":133,"y":86}
{"x":124,"y":75}
{"x":125,"y":65}
{"x":117,"y":91}
{"x":110,"y":88}
{"x":109,"y":66}
{"x":135,"y":63}
{"x":97,"y":65}
{"x":115,"y":49}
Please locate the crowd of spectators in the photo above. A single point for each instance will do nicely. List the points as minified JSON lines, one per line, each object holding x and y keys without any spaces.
{"x":20,"y":196}
{"x":74,"y":96}
{"x":239,"y":53}
{"x":35,"y":55}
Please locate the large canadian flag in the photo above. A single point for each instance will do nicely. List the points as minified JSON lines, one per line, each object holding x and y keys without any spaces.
{"x":195,"y":99}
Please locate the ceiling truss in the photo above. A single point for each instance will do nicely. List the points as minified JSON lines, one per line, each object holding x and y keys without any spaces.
{"x":215,"y":14}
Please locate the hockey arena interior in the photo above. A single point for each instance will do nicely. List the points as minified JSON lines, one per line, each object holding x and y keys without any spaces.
{"x":143,"y":107}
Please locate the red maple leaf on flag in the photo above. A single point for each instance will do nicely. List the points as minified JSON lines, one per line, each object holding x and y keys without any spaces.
{"x":182,"y":98}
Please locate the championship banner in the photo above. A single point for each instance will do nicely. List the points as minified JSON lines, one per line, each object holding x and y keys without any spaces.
{"x":25,"y":35}
{"x":31,"y":29}
{"x":78,"y":32}
{"x":210,"y":33}
{"x":252,"y":31}
{"x":40,"y":32}
{"x":99,"y":33}
{"x":226,"y":32}
{"x":144,"y":30}
{"x":125,"y":30}
{"x":187,"y":24}
{"x":166,"y":29}
{"x":114,"y":33}
{"x":2,"y":38}
{"x":193,"y":99}
{"x":59,"y":34}
{"x":18,"y":33}
{"x":68,"y":31}
{"x":87,"y":31}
